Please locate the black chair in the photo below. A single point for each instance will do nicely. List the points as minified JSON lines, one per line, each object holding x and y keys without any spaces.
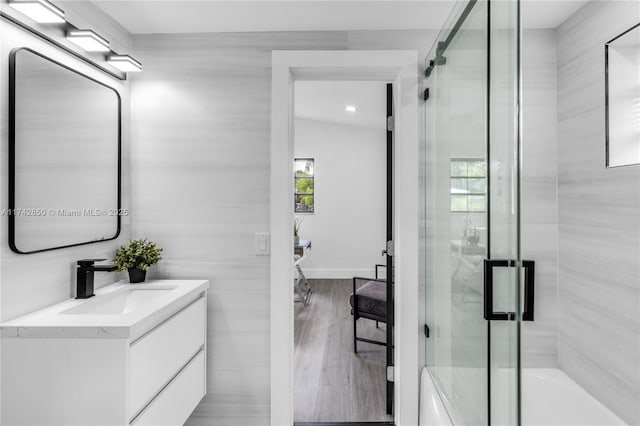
{"x":369,"y":301}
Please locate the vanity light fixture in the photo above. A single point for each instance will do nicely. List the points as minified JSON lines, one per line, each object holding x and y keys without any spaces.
{"x":125,"y":63}
{"x":40,"y":11}
{"x":351,"y":108}
{"x":88,"y":40}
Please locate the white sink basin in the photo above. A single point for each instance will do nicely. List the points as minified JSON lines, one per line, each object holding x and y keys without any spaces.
{"x":117,"y":310}
{"x":122,"y":301}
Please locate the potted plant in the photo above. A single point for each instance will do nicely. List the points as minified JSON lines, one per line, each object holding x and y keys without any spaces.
{"x":296,"y":229}
{"x":136,"y":258}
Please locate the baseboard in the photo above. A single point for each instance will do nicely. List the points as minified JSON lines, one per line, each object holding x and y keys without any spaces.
{"x":341,"y":423}
{"x":336,"y":274}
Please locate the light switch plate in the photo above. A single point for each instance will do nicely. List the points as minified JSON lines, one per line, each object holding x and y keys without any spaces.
{"x":262,"y":244}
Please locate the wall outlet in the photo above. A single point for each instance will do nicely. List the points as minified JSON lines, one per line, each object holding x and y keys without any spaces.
{"x":262,"y":244}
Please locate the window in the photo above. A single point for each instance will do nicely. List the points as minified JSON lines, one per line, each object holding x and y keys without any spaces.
{"x":304,"y":197}
{"x":468,"y":185}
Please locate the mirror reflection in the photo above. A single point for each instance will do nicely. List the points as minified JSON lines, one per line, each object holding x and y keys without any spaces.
{"x":64,"y":156}
{"x":623,"y":98}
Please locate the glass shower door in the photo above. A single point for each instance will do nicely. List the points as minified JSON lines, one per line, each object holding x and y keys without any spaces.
{"x":504,"y":265}
{"x":472,"y":213}
{"x":456,"y":125}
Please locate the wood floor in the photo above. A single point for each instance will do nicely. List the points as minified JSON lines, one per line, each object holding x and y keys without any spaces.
{"x":332,"y":384}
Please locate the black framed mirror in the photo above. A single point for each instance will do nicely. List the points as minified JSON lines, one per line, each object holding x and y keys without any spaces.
{"x":64,"y":156}
{"x":622,"y":97}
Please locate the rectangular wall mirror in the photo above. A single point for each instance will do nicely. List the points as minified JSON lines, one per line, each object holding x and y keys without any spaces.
{"x":622,"y":64}
{"x":64,"y":156}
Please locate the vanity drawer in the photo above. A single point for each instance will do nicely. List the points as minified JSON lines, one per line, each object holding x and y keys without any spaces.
{"x":178,"y":400}
{"x":158,"y":356}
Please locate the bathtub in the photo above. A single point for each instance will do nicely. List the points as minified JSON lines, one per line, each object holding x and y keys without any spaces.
{"x":549,"y":398}
{"x":432,"y":411}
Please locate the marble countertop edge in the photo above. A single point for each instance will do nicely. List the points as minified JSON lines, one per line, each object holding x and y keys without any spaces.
{"x":52,"y":322}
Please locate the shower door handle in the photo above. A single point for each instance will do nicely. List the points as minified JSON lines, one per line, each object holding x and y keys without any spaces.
{"x":529,"y":267}
{"x":489,"y":314}
{"x":529,"y":285}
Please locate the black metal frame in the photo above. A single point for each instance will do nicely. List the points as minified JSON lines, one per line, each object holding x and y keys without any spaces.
{"x":529,"y":289}
{"x":359,"y":314}
{"x":606,"y":97}
{"x":443,"y":45}
{"x":12,"y":152}
{"x":489,"y":314}
{"x":529,"y":267}
{"x":389,"y":257}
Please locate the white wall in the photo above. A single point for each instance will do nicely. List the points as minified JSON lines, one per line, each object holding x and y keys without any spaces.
{"x":539,"y":203}
{"x":200,"y":160}
{"x":30,"y":282}
{"x":599,"y":232}
{"x":348,"y":226}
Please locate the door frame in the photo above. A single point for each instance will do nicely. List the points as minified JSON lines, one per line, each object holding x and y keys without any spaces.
{"x":401,"y":68}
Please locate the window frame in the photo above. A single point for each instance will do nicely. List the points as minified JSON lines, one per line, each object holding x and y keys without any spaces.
{"x":467,"y":177}
{"x":296,"y":194}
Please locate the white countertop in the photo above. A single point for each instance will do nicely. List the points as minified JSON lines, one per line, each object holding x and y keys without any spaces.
{"x":55,"y":322}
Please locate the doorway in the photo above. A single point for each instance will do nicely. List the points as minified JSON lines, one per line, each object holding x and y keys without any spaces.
{"x":343,"y":206}
{"x":401,"y":68}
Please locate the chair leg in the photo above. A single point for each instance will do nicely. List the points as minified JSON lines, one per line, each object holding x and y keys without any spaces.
{"x":355,"y":340}
{"x":354,"y":311}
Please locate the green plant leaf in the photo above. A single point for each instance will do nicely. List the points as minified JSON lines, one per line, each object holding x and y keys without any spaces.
{"x":139,"y":254}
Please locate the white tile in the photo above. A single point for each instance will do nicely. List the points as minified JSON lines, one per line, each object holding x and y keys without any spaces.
{"x":599,"y":233}
{"x":539,"y":207}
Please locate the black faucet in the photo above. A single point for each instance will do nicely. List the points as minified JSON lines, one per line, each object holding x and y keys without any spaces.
{"x":84,"y":282}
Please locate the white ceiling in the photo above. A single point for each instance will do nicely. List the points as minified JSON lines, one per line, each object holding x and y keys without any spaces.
{"x":325,"y":101}
{"x":195,"y":16}
{"x":538,"y":14}
{"x":189,"y":16}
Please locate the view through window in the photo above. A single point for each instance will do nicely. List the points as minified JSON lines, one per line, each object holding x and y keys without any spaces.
{"x":304,"y":192}
{"x":468,"y":185}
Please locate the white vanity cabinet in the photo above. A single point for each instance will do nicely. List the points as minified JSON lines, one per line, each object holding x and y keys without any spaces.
{"x":171,"y":358}
{"x":146,"y":368}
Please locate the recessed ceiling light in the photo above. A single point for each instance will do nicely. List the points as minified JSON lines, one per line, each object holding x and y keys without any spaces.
{"x":40,"y":11}
{"x":125,"y":63}
{"x":351,"y":108}
{"x":88,"y":40}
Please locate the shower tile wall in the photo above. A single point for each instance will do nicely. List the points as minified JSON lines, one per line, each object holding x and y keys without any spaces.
{"x":200,"y":176}
{"x":599,"y":230}
{"x":539,"y":210}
